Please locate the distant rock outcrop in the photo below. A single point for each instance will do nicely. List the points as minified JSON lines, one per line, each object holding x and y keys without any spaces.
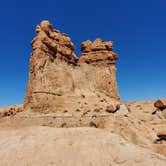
{"x":60,"y":81}
{"x":160,"y":104}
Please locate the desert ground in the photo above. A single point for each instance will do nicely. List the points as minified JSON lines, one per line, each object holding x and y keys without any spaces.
{"x":124,"y":138}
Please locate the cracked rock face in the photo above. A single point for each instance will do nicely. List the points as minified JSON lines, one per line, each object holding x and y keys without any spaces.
{"x":59,"y":81}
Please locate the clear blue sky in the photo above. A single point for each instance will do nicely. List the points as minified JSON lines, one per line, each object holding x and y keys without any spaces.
{"x":137,"y":27}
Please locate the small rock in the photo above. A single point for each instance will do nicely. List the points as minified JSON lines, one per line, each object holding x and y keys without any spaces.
{"x":78,"y":110}
{"x":97,"y":110}
{"x":162,"y":135}
{"x":83,"y":96}
{"x":111,"y":109}
{"x":160,"y":104}
{"x":93,"y":124}
{"x":122,"y":110}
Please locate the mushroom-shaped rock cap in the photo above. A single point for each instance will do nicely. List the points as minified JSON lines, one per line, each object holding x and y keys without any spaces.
{"x":45,"y":25}
{"x":97,"y":51}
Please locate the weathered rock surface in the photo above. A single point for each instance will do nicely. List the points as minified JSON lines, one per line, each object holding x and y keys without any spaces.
{"x":45,"y":146}
{"x":59,"y":81}
{"x":98,"y":53}
{"x":133,"y":121}
{"x":10,"y":110}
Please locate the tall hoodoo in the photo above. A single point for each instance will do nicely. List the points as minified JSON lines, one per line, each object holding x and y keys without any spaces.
{"x":100,"y":56}
{"x":60,"y":81}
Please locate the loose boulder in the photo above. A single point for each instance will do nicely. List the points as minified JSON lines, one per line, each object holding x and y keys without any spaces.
{"x":160,"y":104}
{"x":162,"y":135}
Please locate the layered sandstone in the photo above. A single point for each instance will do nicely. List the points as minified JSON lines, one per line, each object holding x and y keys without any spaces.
{"x":98,"y":53}
{"x":59,"y":81}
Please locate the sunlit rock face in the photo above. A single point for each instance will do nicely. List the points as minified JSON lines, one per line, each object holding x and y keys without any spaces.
{"x":60,"y":81}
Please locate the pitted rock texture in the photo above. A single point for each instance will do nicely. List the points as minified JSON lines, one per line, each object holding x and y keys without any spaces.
{"x":98,"y":52}
{"x":10,"y":110}
{"x":59,"y":81}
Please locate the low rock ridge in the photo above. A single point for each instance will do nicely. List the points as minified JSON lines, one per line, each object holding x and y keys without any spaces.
{"x":59,"y":80}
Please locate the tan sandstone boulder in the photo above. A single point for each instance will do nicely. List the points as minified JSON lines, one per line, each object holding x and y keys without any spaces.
{"x":161,"y":103}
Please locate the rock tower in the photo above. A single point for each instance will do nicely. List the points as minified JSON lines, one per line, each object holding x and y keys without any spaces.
{"x":59,"y":81}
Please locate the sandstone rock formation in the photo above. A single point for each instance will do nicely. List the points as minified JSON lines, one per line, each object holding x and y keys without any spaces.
{"x":98,"y":52}
{"x":77,"y":92}
{"x":10,"y":110}
{"x":160,"y":104}
{"x":59,"y":81}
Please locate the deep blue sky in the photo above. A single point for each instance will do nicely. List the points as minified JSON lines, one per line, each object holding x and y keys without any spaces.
{"x":137,"y":27}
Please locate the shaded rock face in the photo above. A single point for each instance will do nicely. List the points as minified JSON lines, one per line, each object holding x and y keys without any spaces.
{"x":59,"y":81}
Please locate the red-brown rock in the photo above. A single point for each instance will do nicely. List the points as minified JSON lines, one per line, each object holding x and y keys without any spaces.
{"x":161,"y":103}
